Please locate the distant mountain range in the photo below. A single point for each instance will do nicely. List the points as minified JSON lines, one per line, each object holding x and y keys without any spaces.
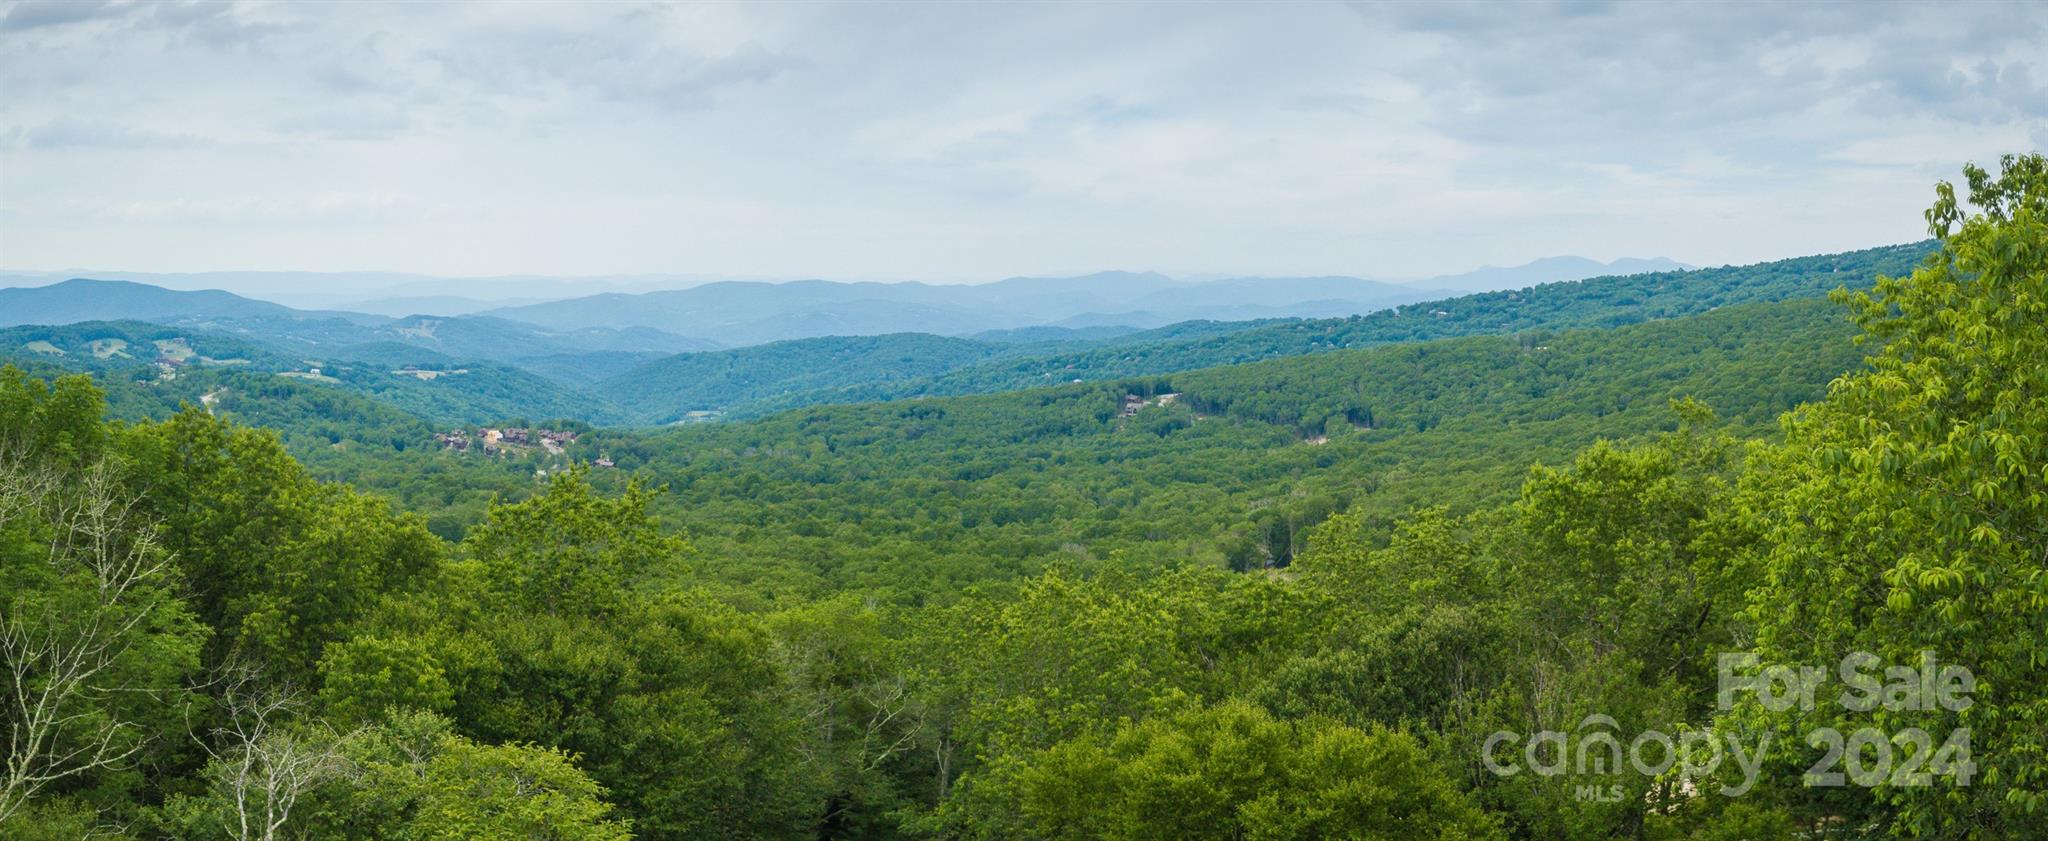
{"x":722,"y":314}
{"x":373,"y":292}
{"x":320,"y":333}
{"x":405,"y":305}
{"x":740,"y":313}
{"x":110,"y":300}
{"x":623,"y":358}
{"x":744,"y":314}
{"x":1607,"y":301}
{"x":737,"y":313}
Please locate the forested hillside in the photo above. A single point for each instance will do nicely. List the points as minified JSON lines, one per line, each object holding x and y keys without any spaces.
{"x":1232,"y":470}
{"x":510,"y":371}
{"x":60,"y":310}
{"x":155,"y":367}
{"x":755,"y":381}
{"x":665,"y":390}
{"x":1330,"y":596}
{"x":1594,"y":302}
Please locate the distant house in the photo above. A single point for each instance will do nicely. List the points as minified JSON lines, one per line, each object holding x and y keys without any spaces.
{"x":1133,"y":403}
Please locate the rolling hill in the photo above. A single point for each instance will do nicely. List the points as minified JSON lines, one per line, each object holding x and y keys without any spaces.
{"x":740,"y":382}
{"x":667,"y":390}
{"x":335,"y":334}
{"x":184,"y":363}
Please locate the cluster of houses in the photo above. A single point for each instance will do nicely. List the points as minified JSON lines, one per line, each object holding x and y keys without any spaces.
{"x":511,"y":441}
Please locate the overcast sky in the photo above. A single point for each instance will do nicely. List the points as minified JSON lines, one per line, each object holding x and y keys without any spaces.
{"x":975,"y":141}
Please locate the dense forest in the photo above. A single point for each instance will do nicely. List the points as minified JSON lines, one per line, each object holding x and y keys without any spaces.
{"x":1234,"y":469}
{"x":756,"y":381}
{"x":1323,"y":596}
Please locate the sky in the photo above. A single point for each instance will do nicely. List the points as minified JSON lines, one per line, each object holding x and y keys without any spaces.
{"x":972,"y":141}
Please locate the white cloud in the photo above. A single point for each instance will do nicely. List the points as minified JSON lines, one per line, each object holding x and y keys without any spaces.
{"x":973,"y":141}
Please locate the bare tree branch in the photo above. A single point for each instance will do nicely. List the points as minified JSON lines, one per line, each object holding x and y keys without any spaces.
{"x":60,"y":651}
{"x":266,"y":758}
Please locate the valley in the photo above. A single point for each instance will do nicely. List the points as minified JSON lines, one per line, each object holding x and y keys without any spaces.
{"x":1273,"y":427}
